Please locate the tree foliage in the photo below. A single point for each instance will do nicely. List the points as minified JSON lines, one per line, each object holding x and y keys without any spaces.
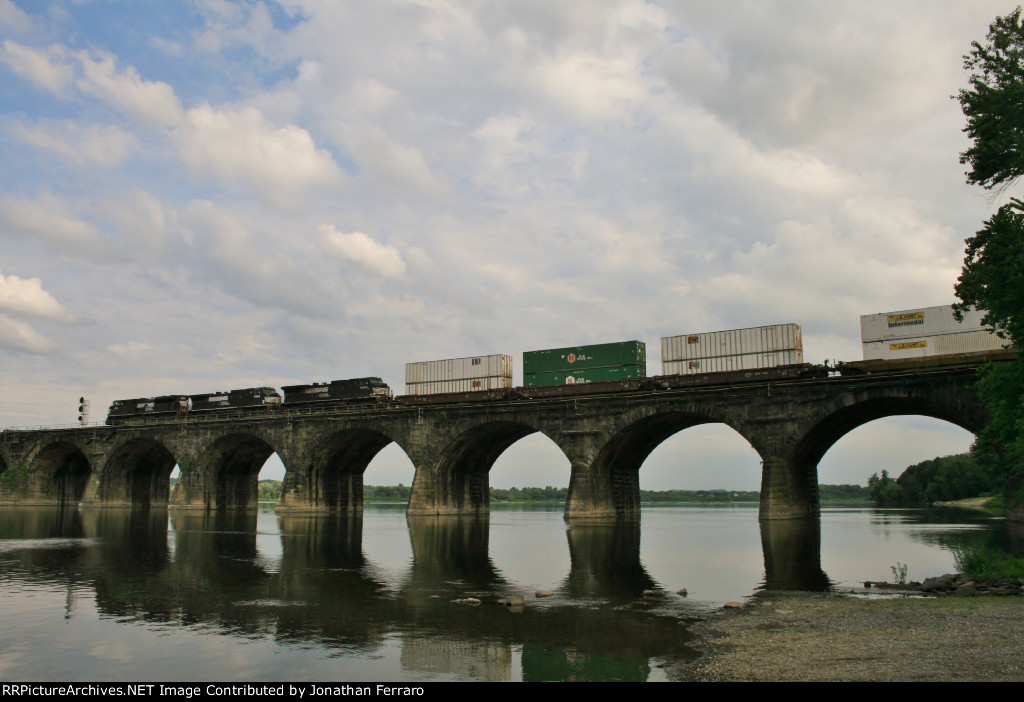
{"x":994,"y":105}
{"x":993,"y":273}
{"x":884,"y":490}
{"x":993,"y":280}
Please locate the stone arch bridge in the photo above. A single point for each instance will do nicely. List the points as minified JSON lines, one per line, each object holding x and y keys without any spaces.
{"x":791,"y":424}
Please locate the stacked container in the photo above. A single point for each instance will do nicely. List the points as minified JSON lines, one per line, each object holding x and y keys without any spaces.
{"x":458,"y":375}
{"x":585,"y":364}
{"x":928,"y":331}
{"x":735,"y":349}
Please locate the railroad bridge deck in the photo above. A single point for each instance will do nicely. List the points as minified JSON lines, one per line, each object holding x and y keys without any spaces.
{"x":790,"y":423}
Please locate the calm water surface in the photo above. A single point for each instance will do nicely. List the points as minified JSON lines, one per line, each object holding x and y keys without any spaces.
{"x":109,"y":594}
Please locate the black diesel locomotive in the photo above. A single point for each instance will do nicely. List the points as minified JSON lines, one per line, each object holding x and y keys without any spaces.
{"x":247,"y":399}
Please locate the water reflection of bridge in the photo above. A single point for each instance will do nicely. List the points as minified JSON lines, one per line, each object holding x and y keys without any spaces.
{"x":791,"y":424}
{"x":198,"y":568}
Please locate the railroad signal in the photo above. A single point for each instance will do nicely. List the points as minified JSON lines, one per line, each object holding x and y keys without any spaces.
{"x":83,"y":411}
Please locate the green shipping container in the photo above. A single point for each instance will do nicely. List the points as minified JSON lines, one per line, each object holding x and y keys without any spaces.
{"x":582,"y":375}
{"x":623,"y":353}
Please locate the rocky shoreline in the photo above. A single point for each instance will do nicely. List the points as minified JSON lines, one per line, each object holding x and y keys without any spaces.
{"x":793,"y":636}
{"x":959,"y":584}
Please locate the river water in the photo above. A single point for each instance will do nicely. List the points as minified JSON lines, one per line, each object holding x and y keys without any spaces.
{"x":109,"y":594}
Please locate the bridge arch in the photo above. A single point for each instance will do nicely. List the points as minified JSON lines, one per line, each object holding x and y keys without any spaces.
{"x":137,"y":473}
{"x":456,"y":482}
{"x":330,"y":476}
{"x":60,"y":473}
{"x":816,"y":442}
{"x":224,"y":474}
{"x":789,"y":487}
{"x":610,"y":485}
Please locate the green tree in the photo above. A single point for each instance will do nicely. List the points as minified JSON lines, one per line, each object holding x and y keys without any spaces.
{"x":994,"y":105}
{"x":885,"y":491}
{"x":993,"y":273}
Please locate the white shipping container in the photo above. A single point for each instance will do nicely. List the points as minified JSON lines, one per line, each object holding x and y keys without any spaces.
{"x":688,"y":347}
{"x":934,"y":345}
{"x":463,"y":385}
{"x":926,"y":321}
{"x":497,"y":365}
{"x":745,"y":361}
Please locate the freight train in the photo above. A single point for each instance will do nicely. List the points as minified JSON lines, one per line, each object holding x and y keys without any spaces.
{"x":377,"y":392}
{"x":712,"y":359}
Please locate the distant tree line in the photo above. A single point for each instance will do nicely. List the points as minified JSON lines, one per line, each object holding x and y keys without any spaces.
{"x":939,"y":480}
{"x":270,"y":491}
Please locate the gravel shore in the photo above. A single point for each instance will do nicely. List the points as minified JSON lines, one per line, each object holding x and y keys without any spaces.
{"x":822,"y":637}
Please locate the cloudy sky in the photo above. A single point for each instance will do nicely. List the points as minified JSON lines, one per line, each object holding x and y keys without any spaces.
{"x":201,"y":195}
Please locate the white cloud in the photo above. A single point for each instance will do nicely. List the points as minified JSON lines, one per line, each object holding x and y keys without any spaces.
{"x":140,"y":217}
{"x":283,"y":164}
{"x":878,"y":253}
{"x":46,"y":69}
{"x":238,"y":147}
{"x":47,"y":220}
{"x":16,"y":334}
{"x":12,"y":16}
{"x":105,"y":146}
{"x":382,"y":259}
{"x":153,"y":102}
{"x":224,"y":252}
{"x":396,"y":163}
{"x":26,"y":297}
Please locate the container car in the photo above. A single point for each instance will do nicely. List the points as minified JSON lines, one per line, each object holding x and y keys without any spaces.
{"x":923,"y":364}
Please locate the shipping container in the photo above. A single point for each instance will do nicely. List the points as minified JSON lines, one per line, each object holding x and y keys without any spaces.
{"x":494,"y":366}
{"x":462,"y":385}
{"x":738,"y":362}
{"x":934,"y":345}
{"x":926,"y":321}
{"x":732,"y":342}
{"x":623,"y":353}
{"x":581,"y":375}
